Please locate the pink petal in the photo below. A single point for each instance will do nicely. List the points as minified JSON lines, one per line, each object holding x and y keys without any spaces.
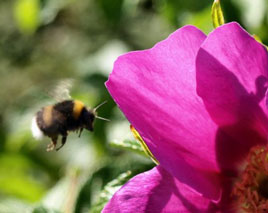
{"x":156,"y":191}
{"x":156,"y":91}
{"x":231,"y":76}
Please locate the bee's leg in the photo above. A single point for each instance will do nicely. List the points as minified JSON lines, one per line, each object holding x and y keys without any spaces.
{"x":52,"y":144}
{"x":63,"y":141}
{"x":80,"y":132}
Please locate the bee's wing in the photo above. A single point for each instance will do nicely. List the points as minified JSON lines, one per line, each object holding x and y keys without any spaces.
{"x":61,"y":91}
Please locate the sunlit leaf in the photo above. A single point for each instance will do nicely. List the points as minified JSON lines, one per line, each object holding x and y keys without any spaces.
{"x":217,"y":14}
{"x":27,"y":15}
{"x":109,"y":191}
{"x":41,"y":209}
{"x":200,"y":19}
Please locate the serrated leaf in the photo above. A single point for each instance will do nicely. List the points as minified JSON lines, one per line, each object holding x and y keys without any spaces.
{"x":129,"y":145}
{"x":217,"y":14}
{"x":109,"y":190}
{"x":138,"y":146}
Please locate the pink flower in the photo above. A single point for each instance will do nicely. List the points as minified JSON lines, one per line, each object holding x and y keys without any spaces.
{"x":198,"y":102}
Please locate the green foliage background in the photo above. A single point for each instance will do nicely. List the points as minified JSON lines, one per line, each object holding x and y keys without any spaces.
{"x":44,"y":42}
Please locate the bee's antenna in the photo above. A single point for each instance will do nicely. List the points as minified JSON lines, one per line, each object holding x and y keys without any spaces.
{"x":97,"y":107}
{"x":101,"y":118}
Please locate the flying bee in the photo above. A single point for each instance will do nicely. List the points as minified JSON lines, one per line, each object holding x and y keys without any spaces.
{"x":65,"y":116}
{"x":59,"y":119}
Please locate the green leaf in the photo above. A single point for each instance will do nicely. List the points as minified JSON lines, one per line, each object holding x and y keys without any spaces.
{"x":27,"y":15}
{"x":129,"y":145}
{"x":109,"y":190}
{"x":200,"y":19}
{"x":41,"y":209}
{"x":217,"y":14}
{"x":138,"y":146}
{"x":18,"y":177}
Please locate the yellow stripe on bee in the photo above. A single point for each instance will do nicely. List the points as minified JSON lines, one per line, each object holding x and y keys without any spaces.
{"x":47,"y":115}
{"x":78,"y":106}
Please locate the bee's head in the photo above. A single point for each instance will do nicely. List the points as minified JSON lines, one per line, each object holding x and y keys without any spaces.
{"x":88,"y":118}
{"x":89,"y":115}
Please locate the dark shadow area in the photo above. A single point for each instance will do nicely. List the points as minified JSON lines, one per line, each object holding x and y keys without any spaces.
{"x":261,"y":88}
{"x":234,"y":140}
{"x":239,"y":107}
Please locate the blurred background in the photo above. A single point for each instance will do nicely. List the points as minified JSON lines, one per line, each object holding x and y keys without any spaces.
{"x":46,"y":43}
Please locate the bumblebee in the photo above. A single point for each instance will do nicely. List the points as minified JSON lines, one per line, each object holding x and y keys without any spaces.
{"x":59,"y":119}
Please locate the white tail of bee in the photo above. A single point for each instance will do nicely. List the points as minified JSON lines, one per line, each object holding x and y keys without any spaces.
{"x":37,"y":133}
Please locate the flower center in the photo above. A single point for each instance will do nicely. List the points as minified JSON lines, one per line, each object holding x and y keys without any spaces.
{"x":251,"y":190}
